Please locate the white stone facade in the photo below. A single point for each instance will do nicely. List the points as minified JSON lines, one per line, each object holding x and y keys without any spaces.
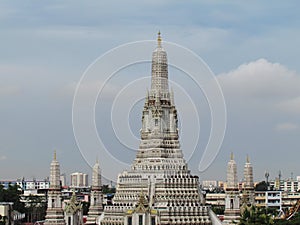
{"x":54,"y":213}
{"x":96,"y":198}
{"x":248,"y":191}
{"x":232,"y":198}
{"x":73,"y":211}
{"x":170,"y":193}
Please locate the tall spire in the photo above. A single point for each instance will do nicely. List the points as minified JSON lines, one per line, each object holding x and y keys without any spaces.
{"x":96,"y":207}
{"x":96,"y":176}
{"x":158,"y":39}
{"x":232,"y":180}
{"x":248,"y":174}
{"x":232,"y":202}
{"x":54,"y":213}
{"x":55,"y":173}
{"x":159,"y":82}
{"x":159,"y":165}
{"x":159,"y":114}
{"x":249,"y":184}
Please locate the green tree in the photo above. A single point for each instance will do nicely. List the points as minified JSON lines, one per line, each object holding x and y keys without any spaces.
{"x":85,"y":207}
{"x":3,"y":220}
{"x":255,"y":216}
{"x":219,"y":210}
{"x":107,"y":190}
{"x":261,"y":186}
{"x":1,"y":193}
{"x":35,"y":207}
{"x":12,"y":194}
{"x":293,"y":221}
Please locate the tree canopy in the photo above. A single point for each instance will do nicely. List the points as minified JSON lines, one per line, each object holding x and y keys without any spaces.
{"x":12,"y":194}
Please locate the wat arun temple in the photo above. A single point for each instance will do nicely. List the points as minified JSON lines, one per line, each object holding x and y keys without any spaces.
{"x":158,"y":188}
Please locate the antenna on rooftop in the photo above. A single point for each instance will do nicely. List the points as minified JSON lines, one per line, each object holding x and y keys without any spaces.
{"x":279,"y":175}
{"x":267,"y":177}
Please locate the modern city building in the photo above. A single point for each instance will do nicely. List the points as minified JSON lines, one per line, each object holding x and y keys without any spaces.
{"x":63,"y":180}
{"x":27,"y":184}
{"x":79,"y":180}
{"x":210,"y":184}
{"x":269,"y":199}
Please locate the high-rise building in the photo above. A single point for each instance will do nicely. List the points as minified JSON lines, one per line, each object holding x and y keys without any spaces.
{"x":96,"y":200}
{"x":63,"y":180}
{"x":54,"y":213}
{"x":232,"y":198}
{"x":158,"y":188}
{"x":79,"y":179}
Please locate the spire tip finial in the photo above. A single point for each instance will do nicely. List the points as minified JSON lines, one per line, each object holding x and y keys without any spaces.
{"x":158,"y":39}
{"x":231,"y":156}
{"x":248,"y":160}
{"x":54,"y":157}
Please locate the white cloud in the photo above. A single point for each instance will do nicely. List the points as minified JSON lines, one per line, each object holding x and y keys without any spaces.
{"x":286,"y":127}
{"x":261,"y":80}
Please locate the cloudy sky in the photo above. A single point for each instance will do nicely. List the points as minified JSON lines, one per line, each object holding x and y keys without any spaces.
{"x":253,"y":50}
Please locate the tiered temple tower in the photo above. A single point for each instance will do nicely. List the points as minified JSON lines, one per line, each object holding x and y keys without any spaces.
{"x":96,"y":207}
{"x":248,"y":191}
{"x":54,"y":213}
{"x":232,"y":199}
{"x":158,"y":188}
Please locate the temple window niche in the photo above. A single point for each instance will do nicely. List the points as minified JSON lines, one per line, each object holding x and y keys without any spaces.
{"x":153,"y":221}
{"x":129,"y":220}
{"x":140,"y":219}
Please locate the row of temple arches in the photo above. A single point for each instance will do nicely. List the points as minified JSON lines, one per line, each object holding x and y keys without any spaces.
{"x":159,"y":167}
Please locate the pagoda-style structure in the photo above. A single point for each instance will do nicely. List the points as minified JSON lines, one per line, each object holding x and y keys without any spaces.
{"x":55,"y":212}
{"x":232,"y":198}
{"x":96,"y":207}
{"x":248,"y":189}
{"x":159,"y":188}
